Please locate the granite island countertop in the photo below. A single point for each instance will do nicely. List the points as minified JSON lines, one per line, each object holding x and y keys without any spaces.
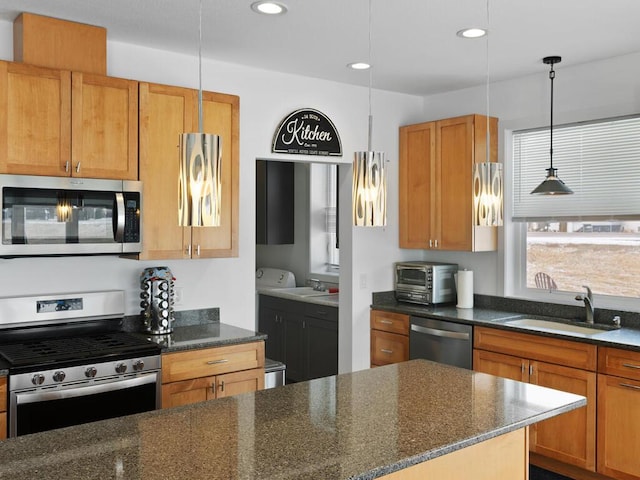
{"x":361,"y":425}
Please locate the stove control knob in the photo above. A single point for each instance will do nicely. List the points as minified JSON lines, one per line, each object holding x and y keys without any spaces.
{"x":59,"y":376}
{"x":121,"y":368}
{"x":90,"y":372}
{"x":37,"y":379}
{"x":138,"y":365}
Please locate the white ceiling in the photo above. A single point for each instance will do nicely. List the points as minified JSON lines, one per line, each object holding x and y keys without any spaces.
{"x":414,"y":47}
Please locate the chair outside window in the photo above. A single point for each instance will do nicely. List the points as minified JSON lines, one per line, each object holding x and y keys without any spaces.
{"x":545,"y":282}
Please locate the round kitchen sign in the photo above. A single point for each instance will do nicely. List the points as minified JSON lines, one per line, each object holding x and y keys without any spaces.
{"x":307,"y":132}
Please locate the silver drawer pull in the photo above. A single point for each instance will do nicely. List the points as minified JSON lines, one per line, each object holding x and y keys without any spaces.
{"x":386,"y":322}
{"x":215,"y":362}
{"x":384,"y":350}
{"x":628,"y":385}
{"x":630,"y":365}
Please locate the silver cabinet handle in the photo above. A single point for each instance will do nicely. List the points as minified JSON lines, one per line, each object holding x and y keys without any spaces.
{"x":628,"y":385}
{"x":630,"y":365}
{"x":430,"y":243}
{"x":522,"y":367}
{"x":189,"y":250}
{"x":386,"y":322}
{"x":215,"y":362}
{"x":198,"y":250}
{"x":384,"y":350}
{"x":222,"y":386}
{"x":440,"y":333}
{"x":78,"y":167}
{"x":66,"y":166}
{"x":530,"y":369}
{"x":436,"y":243}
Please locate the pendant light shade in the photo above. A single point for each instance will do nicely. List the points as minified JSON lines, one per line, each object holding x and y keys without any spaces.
{"x":369,"y":176}
{"x":552,"y":185}
{"x":487,"y":175}
{"x":200,"y":176}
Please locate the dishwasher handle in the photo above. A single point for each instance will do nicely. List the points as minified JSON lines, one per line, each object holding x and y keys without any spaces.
{"x":440,"y":333}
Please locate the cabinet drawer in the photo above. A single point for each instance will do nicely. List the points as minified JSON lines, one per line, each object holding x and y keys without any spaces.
{"x":537,"y":347}
{"x":3,"y":394}
{"x":388,"y":348}
{"x":212,"y":361}
{"x":621,"y":363}
{"x":390,"y":322}
{"x":322,"y":312}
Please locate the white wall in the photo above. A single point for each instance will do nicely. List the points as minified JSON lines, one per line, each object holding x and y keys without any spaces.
{"x":265,"y":98}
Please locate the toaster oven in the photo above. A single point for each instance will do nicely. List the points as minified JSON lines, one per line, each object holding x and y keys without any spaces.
{"x":425,"y":283}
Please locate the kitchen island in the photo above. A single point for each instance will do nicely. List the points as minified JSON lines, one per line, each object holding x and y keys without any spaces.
{"x":392,"y":421}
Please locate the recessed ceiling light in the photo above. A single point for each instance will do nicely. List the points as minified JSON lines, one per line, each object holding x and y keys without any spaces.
{"x":472,"y":32}
{"x":269,"y":8}
{"x":359,"y":66}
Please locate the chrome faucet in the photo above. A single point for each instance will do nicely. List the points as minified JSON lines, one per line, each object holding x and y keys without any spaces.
{"x":588,"y":303}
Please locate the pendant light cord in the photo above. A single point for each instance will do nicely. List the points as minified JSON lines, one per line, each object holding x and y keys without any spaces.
{"x":487,"y":159}
{"x":370,"y":81}
{"x":200,"y":70}
{"x":552,"y":75}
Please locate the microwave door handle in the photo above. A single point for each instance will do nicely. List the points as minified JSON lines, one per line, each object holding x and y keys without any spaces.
{"x":118,"y":233}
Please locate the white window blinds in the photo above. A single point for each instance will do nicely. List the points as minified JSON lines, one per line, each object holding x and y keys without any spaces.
{"x":599,"y":161}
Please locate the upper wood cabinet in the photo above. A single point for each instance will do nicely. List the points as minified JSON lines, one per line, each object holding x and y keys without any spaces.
{"x":59,"y":123}
{"x":436,"y":183}
{"x":165,"y":113}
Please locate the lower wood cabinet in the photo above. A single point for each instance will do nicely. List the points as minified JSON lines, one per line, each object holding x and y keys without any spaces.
{"x":619,"y":413}
{"x":389,"y":337}
{"x":3,"y":407}
{"x":571,"y":437}
{"x":204,"y":374}
{"x":302,"y":335}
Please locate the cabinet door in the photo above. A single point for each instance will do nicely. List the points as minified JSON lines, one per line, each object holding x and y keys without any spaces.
{"x":270,"y":321}
{"x":3,"y":407}
{"x":569,"y":437}
{"x":221,"y":117}
{"x":186,"y":392}
{"x":322,"y":348}
{"x":35,"y":120}
{"x":239,"y":382}
{"x":454,"y":151}
{"x":505,"y":366}
{"x":104,"y":135}
{"x":618,"y":427}
{"x":294,"y":355}
{"x":388,"y":348}
{"x":417,"y":171}
{"x":165,"y":113}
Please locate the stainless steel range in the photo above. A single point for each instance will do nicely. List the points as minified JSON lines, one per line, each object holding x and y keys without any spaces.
{"x":71,"y":363}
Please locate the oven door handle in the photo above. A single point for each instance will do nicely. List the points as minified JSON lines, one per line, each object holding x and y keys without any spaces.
{"x":440,"y":333}
{"x":83,"y":390}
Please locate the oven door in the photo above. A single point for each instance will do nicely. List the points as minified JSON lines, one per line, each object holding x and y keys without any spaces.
{"x":32,"y":411}
{"x":413,"y":278}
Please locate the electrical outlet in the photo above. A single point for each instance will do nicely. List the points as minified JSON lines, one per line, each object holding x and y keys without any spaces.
{"x":177,"y":296}
{"x":363,"y":281}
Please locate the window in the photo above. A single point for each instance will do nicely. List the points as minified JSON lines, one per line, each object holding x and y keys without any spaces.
{"x":323,"y":241}
{"x":589,"y":238}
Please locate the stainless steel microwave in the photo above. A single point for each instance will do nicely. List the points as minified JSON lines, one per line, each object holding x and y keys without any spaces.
{"x":425,"y":283}
{"x":69,"y":216}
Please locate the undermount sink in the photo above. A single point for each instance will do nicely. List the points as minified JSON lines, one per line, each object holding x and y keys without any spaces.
{"x":559,"y":327}
{"x":305,"y":292}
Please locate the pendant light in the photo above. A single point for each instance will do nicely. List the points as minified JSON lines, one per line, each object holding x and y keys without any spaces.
{"x":487,"y":175}
{"x":200,"y":180}
{"x":551,"y":185}
{"x":369,"y":176}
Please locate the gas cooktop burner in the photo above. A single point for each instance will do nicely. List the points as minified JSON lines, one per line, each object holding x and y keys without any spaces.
{"x":40,"y":353}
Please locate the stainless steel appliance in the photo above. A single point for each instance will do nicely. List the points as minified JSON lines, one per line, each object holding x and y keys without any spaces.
{"x":425,"y":283}
{"x":69,"y":216}
{"x":71,"y":363}
{"x":441,"y":341}
{"x":157,"y":297}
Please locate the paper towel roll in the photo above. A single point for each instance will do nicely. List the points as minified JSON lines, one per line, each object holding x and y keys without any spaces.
{"x":465,"y":288}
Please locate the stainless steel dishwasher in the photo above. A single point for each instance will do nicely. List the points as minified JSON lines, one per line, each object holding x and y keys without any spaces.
{"x":441,"y":341}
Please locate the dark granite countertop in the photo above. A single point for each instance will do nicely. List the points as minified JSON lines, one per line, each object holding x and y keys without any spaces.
{"x":359,"y":425}
{"x":215,"y":334}
{"x":626,"y":338}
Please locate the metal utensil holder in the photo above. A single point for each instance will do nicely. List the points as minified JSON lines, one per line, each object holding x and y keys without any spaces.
{"x":157,"y":298}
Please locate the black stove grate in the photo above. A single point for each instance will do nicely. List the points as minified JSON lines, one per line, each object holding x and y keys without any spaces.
{"x":77,"y":349}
